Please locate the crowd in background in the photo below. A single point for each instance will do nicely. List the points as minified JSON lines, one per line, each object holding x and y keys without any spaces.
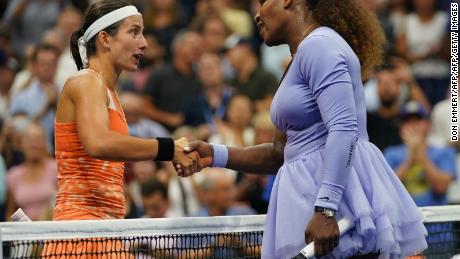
{"x":207,"y":75}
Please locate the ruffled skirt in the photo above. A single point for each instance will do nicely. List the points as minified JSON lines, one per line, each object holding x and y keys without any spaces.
{"x":385,"y":216}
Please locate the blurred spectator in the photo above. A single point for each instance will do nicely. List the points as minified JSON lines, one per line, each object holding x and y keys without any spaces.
{"x":140,"y":172}
{"x":138,"y":125}
{"x":378,"y":8}
{"x":220,"y":195}
{"x":421,"y":43}
{"x":209,"y":106}
{"x":8,"y":69}
{"x":11,"y":139}
{"x":252,"y":79}
{"x":38,"y":100}
{"x":69,"y":21}
{"x":382,"y":125}
{"x":2,"y":189}
{"x":395,"y":86}
{"x":155,"y":199}
{"x":153,"y":58}
{"x":251,"y":187}
{"x":182,"y":193}
{"x":207,"y":7}
{"x":410,"y":90}
{"x":187,"y":132}
{"x":439,"y":135}
{"x":237,"y":19}
{"x":5,"y":43}
{"x":214,"y":32}
{"x":274,"y":58}
{"x":28,"y":20}
{"x":32,"y":185}
{"x":396,"y":11}
{"x":165,"y":20}
{"x":169,"y":88}
{"x":426,"y":171}
{"x":81,"y":5}
{"x":54,"y":38}
{"x":237,"y":131}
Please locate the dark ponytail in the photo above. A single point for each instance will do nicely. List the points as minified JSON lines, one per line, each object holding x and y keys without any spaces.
{"x":358,"y":26}
{"x":94,"y":12}
{"x":74,"y":48}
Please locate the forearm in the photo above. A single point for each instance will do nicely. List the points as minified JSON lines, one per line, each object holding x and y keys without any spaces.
{"x":402,"y":170}
{"x":339,"y":151}
{"x":260,"y":159}
{"x":116,"y":147}
{"x":436,"y":178}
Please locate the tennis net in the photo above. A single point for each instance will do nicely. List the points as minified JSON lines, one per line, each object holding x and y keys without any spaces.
{"x":213,"y":237}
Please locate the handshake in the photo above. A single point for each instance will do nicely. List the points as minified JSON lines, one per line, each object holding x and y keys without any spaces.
{"x":192,"y":157}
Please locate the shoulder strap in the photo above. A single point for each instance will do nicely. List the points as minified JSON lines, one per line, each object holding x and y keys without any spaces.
{"x":111,"y":103}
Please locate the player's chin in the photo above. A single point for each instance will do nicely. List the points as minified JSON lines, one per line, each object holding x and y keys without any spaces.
{"x":270,"y":42}
{"x":131,"y":67}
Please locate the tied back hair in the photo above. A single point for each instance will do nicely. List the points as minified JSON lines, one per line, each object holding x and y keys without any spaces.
{"x":94,"y":12}
{"x":357,"y":25}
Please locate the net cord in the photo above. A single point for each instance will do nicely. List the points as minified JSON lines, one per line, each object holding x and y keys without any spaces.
{"x":49,"y":230}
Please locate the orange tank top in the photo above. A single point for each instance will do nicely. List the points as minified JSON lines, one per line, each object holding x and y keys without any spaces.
{"x":88,"y":188}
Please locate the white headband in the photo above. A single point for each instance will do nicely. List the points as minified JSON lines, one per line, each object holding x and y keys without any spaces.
{"x":100,"y":24}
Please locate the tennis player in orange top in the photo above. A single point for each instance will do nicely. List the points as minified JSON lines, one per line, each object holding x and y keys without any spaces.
{"x":91,"y":132}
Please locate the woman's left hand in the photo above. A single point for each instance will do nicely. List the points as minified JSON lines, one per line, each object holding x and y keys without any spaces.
{"x":324,"y":232}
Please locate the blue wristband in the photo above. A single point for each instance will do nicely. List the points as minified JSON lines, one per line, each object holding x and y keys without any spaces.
{"x":219,"y":156}
{"x":329,"y":196}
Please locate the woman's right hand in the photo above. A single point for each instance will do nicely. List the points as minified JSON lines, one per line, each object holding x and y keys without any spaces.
{"x":199,"y":150}
{"x":203,"y":149}
{"x":185,"y":164}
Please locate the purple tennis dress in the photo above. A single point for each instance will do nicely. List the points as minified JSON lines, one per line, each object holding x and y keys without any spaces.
{"x":320,"y":106}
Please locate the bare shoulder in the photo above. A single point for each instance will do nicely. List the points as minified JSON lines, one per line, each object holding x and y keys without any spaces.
{"x":85,"y":82}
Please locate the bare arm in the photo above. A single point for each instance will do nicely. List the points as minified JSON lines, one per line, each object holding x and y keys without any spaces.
{"x":403,"y":169}
{"x":438,"y":179}
{"x":261,"y":159}
{"x":402,"y":49}
{"x":87,"y":94}
{"x":90,"y":99}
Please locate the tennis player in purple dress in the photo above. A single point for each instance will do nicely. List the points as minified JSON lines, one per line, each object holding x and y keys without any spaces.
{"x":325,"y":166}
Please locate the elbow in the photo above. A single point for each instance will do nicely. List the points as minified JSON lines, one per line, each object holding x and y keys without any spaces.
{"x":348,"y":132}
{"x":277,"y":159}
